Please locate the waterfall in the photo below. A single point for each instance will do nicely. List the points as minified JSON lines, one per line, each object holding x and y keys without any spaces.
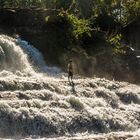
{"x":36,"y":58}
{"x":19,"y":55}
{"x":12,"y":57}
{"x":46,"y":106}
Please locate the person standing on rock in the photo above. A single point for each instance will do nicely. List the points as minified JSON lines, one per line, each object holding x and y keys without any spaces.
{"x":70,"y":71}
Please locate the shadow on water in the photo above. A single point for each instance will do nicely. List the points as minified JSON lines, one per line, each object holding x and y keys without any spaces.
{"x":72,"y":84}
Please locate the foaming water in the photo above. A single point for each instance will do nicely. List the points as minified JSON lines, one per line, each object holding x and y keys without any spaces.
{"x":19,"y":55}
{"x":49,"y":107}
{"x":36,"y":106}
{"x":36,"y":58}
{"x":12,"y":56}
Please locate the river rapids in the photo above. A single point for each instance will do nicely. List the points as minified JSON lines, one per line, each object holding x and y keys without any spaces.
{"x":37,"y":102}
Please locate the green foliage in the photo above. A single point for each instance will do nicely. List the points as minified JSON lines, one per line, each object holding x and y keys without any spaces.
{"x":120,"y":10}
{"x":79,"y":26}
{"x":118,"y":50}
{"x":47,"y":18}
{"x":130,"y":10}
{"x":115,"y":40}
{"x":82,"y":14}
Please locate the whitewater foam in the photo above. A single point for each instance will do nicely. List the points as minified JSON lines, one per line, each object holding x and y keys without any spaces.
{"x":36,"y":58}
{"x":36,"y":105}
{"x":14,"y":58}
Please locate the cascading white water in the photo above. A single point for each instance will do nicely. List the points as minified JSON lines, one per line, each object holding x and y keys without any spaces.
{"x":12,"y":56}
{"x":19,"y":55}
{"x":32,"y":52}
{"x":36,"y":57}
{"x":49,"y":107}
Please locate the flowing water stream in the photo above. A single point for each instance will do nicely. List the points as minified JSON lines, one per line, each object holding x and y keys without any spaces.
{"x":35,"y":105}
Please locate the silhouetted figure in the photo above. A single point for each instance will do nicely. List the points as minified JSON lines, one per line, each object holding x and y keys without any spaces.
{"x":70,"y":72}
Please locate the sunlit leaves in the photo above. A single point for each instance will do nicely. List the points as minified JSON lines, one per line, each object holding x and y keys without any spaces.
{"x":79,"y":26}
{"x":131,"y":9}
{"x":47,"y":18}
{"x":115,"y":40}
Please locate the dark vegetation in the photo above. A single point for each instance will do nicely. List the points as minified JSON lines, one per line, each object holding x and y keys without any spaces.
{"x":98,"y":34}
